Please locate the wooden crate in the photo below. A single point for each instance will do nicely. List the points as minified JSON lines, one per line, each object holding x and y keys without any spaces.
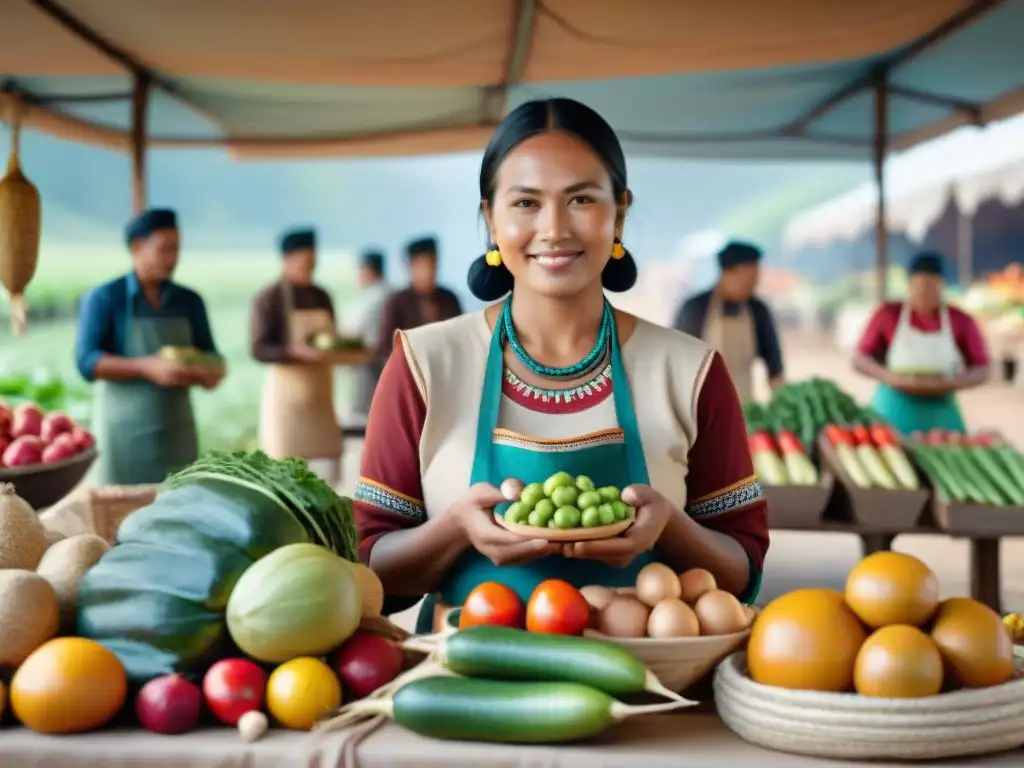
{"x":110,"y":504}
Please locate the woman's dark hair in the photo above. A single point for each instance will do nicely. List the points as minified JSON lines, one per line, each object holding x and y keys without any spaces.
{"x":526,"y":121}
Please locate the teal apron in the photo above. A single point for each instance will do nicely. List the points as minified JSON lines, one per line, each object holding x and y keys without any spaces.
{"x":910,"y":413}
{"x":144,"y":432}
{"x":619,"y":465}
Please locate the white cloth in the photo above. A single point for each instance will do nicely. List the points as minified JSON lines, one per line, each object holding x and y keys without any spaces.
{"x":915,"y":351}
{"x":365,"y":319}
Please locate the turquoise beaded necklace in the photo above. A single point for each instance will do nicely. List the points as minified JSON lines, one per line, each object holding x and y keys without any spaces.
{"x":595,"y":358}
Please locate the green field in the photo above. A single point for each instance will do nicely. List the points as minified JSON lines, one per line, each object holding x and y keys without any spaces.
{"x":228,"y":416}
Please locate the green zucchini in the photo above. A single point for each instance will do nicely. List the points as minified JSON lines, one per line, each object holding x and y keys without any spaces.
{"x":501,"y":653}
{"x":1013,"y":462}
{"x":957,"y":462}
{"x":946,"y":487}
{"x":468,"y":709}
{"x":993,"y":471}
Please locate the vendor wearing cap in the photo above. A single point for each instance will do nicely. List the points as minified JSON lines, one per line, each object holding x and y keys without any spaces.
{"x":734,"y":321}
{"x":142,"y":415}
{"x":297,"y":415}
{"x":424,"y":301}
{"x":922,"y":352}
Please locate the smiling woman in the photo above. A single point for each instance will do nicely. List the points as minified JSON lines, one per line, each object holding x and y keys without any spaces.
{"x":552,"y":379}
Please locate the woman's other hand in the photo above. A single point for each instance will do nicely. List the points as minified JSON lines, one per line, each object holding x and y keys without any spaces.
{"x":653,"y":511}
{"x":475,"y":513}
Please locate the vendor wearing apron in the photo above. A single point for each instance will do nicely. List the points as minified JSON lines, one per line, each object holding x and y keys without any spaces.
{"x":734,"y":321}
{"x":922,"y":352}
{"x":297,"y":416}
{"x":142,"y":414}
{"x":551,"y":378}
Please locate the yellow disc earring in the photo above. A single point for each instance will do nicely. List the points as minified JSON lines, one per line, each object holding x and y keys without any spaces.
{"x":493,"y":256}
{"x":618,"y":249}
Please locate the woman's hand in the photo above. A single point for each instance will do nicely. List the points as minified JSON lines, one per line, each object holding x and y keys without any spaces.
{"x":653,"y":511}
{"x":475,"y":513}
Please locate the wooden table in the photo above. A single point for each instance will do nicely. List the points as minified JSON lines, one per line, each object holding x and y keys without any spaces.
{"x":693,"y":739}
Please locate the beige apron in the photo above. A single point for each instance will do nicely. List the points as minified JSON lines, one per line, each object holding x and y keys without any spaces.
{"x":735,"y":338}
{"x":297,"y":416}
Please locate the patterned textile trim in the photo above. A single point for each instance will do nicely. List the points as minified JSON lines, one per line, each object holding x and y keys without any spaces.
{"x":380,"y":496}
{"x":737,"y":495}
{"x":570,"y":400}
{"x":559,"y":445}
{"x":414,"y":366}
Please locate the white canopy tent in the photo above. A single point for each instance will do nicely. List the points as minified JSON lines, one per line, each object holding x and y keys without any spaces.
{"x":969,"y":166}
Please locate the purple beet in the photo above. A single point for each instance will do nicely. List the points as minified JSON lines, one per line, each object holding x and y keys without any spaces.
{"x":169,"y":705}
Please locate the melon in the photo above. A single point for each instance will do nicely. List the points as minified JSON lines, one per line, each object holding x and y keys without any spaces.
{"x":974,"y":643}
{"x":892,"y":588}
{"x":29,"y":615}
{"x":805,"y":640}
{"x":22,"y":538}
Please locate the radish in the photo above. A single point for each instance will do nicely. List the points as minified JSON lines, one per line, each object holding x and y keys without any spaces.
{"x":169,"y":705}
{"x":53,"y":424}
{"x":28,"y":420}
{"x":367,"y":661}
{"x":62,"y":448}
{"x":83,"y":438}
{"x":23,"y":452}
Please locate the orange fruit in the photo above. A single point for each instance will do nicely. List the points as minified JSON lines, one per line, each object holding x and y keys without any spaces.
{"x":892,"y":588}
{"x":301,"y":691}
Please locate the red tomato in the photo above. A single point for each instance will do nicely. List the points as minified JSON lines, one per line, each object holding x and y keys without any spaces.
{"x":557,"y":608}
{"x":366,"y":662}
{"x":233,"y":687}
{"x":493,"y":604}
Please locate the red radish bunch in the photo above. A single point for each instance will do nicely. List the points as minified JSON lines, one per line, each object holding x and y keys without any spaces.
{"x":28,"y":436}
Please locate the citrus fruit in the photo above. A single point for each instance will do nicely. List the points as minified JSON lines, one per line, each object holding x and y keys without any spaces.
{"x":301,"y":691}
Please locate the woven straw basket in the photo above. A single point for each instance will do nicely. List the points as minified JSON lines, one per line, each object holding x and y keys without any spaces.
{"x":110,"y":504}
{"x":679,"y":662}
{"x":848,"y":726}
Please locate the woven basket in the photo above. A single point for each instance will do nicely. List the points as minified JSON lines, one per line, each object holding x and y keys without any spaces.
{"x":679,"y":662}
{"x":110,"y":504}
{"x":848,"y":726}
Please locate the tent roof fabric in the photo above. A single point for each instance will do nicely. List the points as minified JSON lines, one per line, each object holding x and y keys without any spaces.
{"x":969,"y":166}
{"x":734,"y":78}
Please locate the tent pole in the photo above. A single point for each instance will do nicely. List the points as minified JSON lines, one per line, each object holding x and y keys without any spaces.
{"x":139,"y":138}
{"x":881,"y":141}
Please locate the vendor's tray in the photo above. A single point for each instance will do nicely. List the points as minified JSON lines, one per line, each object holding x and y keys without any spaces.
{"x":873,"y":508}
{"x":565,"y":534}
{"x":348,"y":356}
{"x":849,"y":726}
{"x":798,"y":507}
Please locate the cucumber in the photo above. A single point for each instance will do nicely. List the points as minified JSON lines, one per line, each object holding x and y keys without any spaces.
{"x":467,"y":709}
{"x":501,"y":653}
{"x":946,"y":486}
{"x":989,"y":486}
{"x":986,"y":460}
{"x":1013,"y":462}
{"x":957,"y":462}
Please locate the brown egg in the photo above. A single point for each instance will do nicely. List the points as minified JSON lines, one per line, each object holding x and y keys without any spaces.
{"x":597,"y":596}
{"x":672,"y":618}
{"x":656,"y":582}
{"x":719,"y":613}
{"x":624,"y":617}
{"x":694,"y":583}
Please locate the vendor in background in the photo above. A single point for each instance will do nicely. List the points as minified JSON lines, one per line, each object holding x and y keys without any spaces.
{"x":734,"y":321}
{"x":542,"y":381}
{"x":424,"y":301}
{"x":297,"y":416}
{"x":922,"y":352}
{"x":373,"y":292}
{"x":143,"y":413}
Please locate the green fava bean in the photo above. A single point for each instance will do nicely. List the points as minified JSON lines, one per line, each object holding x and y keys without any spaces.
{"x":609,"y":493}
{"x":591,"y":517}
{"x":565,"y":496}
{"x":516,"y":513}
{"x":607,"y":514}
{"x":536,"y":519}
{"x":532,"y":494}
{"x":622,"y":509}
{"x":584,"y":483}
{"x":558,"y":480}
{"x":588,"y":499}
{"x":545,"y":508}
{"x":567,"y":517}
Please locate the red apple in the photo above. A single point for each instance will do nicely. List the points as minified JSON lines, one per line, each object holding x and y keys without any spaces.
{"x":24,"y":451}
{"x":83,"y":438}
{"x":55,"y":423}
{"x":233,"y":687}
{"x":62,"y":448}
{"x":28,"y":420}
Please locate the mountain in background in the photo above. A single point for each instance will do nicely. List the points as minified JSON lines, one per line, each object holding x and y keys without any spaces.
{"x":224,"y":204}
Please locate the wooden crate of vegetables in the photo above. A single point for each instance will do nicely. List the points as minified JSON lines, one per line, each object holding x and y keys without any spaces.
{"x":878,"y":486}
{"x":796,"y":492}
{"x":978,"y":481}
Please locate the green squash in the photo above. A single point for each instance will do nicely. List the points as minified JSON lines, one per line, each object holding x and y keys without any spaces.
{"x":158,"y":598}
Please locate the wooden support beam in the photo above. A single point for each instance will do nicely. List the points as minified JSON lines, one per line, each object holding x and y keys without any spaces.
{"x":881,"y":146}
{"x":139,"y":140}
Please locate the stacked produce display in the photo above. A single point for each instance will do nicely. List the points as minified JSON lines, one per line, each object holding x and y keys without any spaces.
{"x":980,"y":469}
